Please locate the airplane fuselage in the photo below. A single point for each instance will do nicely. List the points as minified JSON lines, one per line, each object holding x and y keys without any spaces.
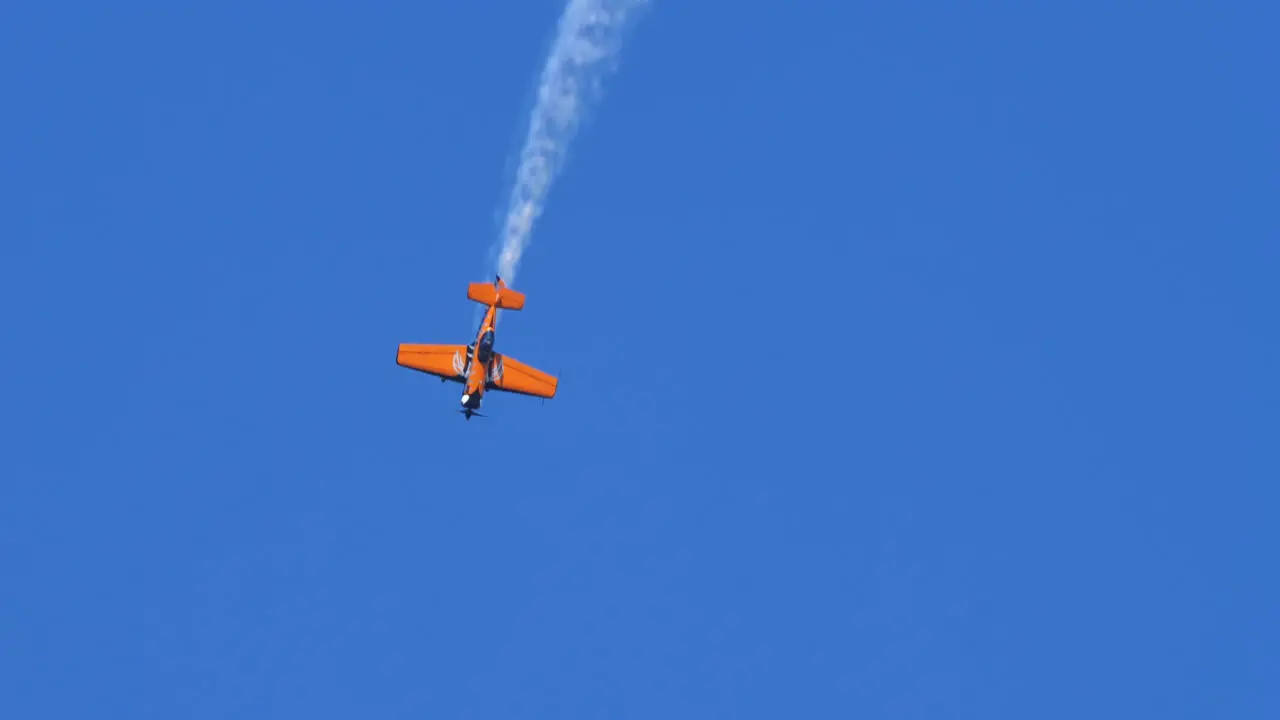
{"x":479,"y":361}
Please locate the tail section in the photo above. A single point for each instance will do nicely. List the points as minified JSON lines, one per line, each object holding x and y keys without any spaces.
{"x":496,"y":293}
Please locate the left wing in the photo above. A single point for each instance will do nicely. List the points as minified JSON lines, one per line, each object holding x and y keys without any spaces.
{"x":444,"y":361}
{"x":510,"y":375}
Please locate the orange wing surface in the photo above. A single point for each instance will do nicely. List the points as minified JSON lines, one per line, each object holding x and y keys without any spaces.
{"x":446,"y":361}
{"x":511,"y":375}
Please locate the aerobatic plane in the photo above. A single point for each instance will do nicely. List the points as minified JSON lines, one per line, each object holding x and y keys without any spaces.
{"x":476,"y":366}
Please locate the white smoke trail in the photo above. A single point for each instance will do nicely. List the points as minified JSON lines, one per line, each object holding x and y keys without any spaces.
{"x":587,"y":40}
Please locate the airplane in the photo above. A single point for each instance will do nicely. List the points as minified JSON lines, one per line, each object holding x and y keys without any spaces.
{"x":476,"y":366}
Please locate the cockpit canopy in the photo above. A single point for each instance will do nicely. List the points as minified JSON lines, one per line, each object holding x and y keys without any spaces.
{"x":486,"y":346}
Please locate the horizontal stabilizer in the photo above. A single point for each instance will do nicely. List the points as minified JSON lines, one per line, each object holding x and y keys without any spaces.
{"x":487,"y":294}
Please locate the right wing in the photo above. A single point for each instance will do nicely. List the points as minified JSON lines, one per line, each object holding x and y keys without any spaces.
{"x":444,"y":361}
{"x":511,"y":375}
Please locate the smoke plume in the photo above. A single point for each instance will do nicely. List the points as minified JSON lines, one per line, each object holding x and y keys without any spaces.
{"x":587,"y":41}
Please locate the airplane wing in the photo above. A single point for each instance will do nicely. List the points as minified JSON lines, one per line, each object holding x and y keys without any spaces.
{"x":511,"y":375}
{"x":445,"y":361}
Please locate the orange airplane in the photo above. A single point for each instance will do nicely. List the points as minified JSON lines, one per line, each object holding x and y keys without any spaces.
{"x":477,"y":366}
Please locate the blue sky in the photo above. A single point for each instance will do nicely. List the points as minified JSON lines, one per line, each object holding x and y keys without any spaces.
{"x":917,"y":361}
